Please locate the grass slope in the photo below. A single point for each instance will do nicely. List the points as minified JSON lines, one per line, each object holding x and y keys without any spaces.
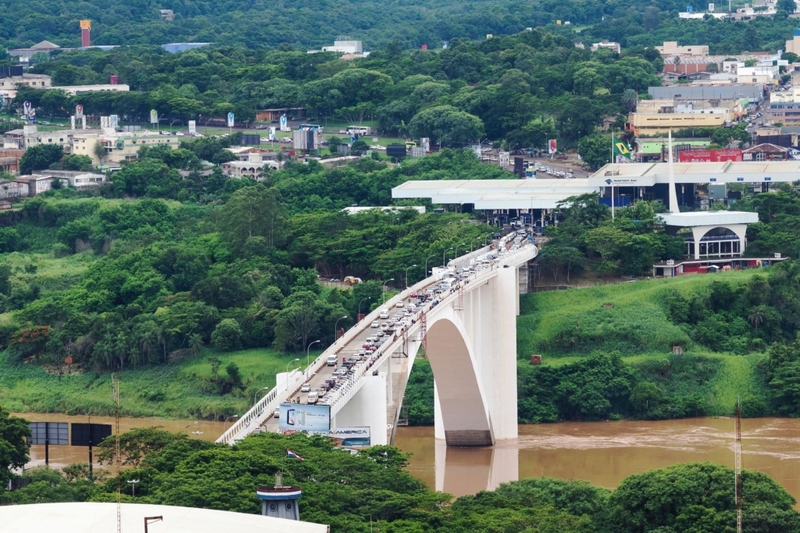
{"x":172,"y":391}
{"x":575,"y":322}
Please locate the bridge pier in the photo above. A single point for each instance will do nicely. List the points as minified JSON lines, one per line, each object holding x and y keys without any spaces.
{"x":367,"y":408}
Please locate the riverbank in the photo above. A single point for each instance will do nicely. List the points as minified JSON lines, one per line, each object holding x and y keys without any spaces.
{"x":604,"y":453}
{"x":176,"y":391}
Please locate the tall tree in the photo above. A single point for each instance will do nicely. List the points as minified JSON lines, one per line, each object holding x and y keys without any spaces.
{"x":253,"y":212}
{"x":13,"y":445}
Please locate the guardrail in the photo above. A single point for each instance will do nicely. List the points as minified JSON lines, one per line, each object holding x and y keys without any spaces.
{"x":264,"y":408}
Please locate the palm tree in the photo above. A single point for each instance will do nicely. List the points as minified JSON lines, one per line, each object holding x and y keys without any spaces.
{"x":757,"y":317}
{"x":196,"y":344}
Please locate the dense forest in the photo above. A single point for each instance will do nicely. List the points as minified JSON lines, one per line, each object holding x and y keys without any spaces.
{"x":179,"y":264}
{"x":371,"y":491}
{"x":268,"y":24}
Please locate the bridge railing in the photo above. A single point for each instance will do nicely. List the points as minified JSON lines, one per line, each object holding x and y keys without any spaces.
{"x":355,"y":382}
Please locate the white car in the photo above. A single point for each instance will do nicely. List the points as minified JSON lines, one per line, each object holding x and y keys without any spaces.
{"x":306,"y":387}
{"x":375,"y":324}
{"x":399,"y":304}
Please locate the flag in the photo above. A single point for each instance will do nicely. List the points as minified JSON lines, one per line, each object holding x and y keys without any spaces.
{"x":293,"y":455}
{"x":622,"y":153}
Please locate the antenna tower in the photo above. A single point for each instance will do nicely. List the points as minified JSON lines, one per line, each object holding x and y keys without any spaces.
{"x":738,"y":465}
{"x":117,"y":460}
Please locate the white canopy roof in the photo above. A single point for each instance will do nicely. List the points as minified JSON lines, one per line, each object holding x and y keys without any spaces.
{"x":648,"y":174}
{"x":496,"y":194}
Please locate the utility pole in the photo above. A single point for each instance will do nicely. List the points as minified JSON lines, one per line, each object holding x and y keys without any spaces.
{"x":115,"y":388}
{"x":738,"y":465}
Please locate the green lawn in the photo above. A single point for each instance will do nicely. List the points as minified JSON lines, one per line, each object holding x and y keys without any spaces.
{"x":169,"y":391}
{"x":626,"y":317}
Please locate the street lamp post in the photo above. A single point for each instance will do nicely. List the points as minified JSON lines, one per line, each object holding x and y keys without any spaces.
{"x":336,"y":327}
{"x":230,"y":418}
{"x":486,"y":240}
{"x":256,"y":394}
{"x":412,"y":266}
{"x":426,"y":264}
{"x":308,"y":348}
{"x":383,"y":290}
{"x":359,"y":306}
{"x":290,"y":362}
{"x":132,"y":483}
{"x":443,"y":256}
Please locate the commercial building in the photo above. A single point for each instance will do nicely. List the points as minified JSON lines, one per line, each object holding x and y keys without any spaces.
{"x":671,"y":48}
{"x":661,"y":123}
{"x":349,"y":49}
{"x":8,"y":84}
{"x":10,"y":190}
{"x":247,"y":169}
{"x":118,"y":146}
{"x":746,"y":92}
{"x":30,"y":136}
{"x":24,"y":55}
{"x":793,"y":44}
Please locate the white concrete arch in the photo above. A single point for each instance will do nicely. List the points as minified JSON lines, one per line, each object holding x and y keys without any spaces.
{"x":465,"y":419}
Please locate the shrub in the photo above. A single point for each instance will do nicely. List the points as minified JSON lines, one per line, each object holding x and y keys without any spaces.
{"x":227,"y":335}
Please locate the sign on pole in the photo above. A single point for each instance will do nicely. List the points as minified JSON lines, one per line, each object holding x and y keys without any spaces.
{"x":153,"y":116}
{"x":552,"y":147}
{"x":230,"y":119}
{"x":47,"y":433}
{"x":192,"y":127}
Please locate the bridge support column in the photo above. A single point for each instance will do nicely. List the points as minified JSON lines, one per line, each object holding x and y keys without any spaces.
{"x":367,"y":408}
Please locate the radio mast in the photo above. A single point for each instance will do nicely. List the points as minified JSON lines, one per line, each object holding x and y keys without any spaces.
{"x":117,"y":460}
{"x":738,"y":465}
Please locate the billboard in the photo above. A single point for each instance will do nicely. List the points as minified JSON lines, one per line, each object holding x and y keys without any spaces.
{"x":85,"y":25}
{"x":709,"y":156}
{"x":78,"y":111}
{"x":89,"y":434}
{"x":56,"y":433}
{"x":153,"y":116}
{"x":552,"y":146}
{"x":192,"y":127}
{"x":357,"y":437}
{"x":302,"y":417}
{"x":230,"y":119}
{"x":284,"y":123}
{"x":425,"y":144}
{"x":114,"y":121}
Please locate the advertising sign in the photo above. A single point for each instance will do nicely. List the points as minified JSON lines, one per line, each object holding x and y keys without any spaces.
{"x":153,"y":116}
{"x":710,"y":8}
{"x":284,"y":123}
{"x":230,"y":119}
{"x":552,"y":147}
{"x":78,"y":111}
{"x":358,"y":437}
{"x":192,"y":127}
{"x":709,"y":156}
{"x":425,"y":144}
{"x":89,"y":434}
{"x":56,"y":433}
{"x":27,"y":108}
{"x":85,"y":25}
{"x":272,"y":133}
{"x":114,"y":121}
{"x":301,"y":417}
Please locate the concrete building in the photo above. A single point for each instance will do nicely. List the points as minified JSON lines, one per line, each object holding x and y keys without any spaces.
{"x":24,"y":55}
{"x":13,"y":189}
{"x":745,"y":92}
{"x":671,"y":48}
{"x":9,"y":159}
{"x":37,"y":183}
{"x":793,"y":44}
{"x":247,"y":169}
{"x":30,"y":136}
{"x":176,"y":48}
{"x":605,"y":43}
{"x":350,"y":49}
{"x":167,"y":14}
{"x":762,"y":74}
{"x":662,"y":123}
{"x":74,"y":90}
{"x":119,"y":146}
{"x":8,"y":85}
{"x":78,"y":179}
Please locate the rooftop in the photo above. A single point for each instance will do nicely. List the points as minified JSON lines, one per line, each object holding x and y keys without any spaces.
{"x":709,"y":218}
{"x":94,"y":517}
{"x":648,"y":174}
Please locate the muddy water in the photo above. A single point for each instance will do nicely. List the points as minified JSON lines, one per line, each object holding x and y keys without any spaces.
{"x":605,"y":453}
{"x":64,"y":455}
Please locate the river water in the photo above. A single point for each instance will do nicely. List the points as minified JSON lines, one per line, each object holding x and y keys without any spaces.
{"x":605,"y":453}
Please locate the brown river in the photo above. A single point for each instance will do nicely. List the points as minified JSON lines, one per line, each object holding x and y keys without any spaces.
{"x":603,"y":453}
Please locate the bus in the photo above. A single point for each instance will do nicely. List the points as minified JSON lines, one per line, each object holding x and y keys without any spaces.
{"x":312,"y":127}
{"x":358,"y":130}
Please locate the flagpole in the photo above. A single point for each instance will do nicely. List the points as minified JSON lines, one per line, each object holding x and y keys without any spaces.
{"x":612,"y":175}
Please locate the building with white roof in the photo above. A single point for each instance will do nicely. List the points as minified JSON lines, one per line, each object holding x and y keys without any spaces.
{"x":92,"y":517}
